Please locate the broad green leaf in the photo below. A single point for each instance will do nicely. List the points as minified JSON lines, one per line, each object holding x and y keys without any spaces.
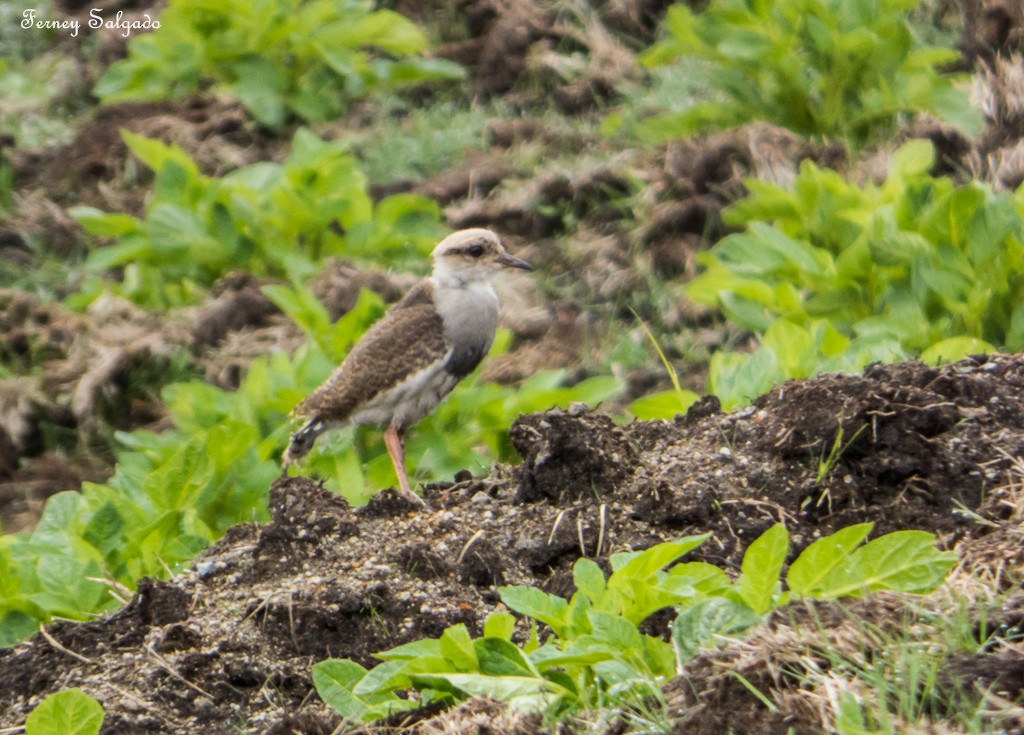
{"x":153,"y":153}
{"x":818,"y":560}
{"x":663,"y":405}
{"x":615,"y":630}
{"x":534,"y":603}
{"x":499,"y":625}
{"x":956,"y":348}
{"x":68,"y":712}
{"x":589,"y":578}
{"x":906,"y":561}
{"x":334,"y":680}
{"x":16,"y":625}
{"x":761,"y":567}
{"x":643,"y":564}
{"x":392,"y":675}
{"x":457,"y":647}
{"x":694,"y":629}
{"x":105,"y":530}
{"x":498,"y":657}
{"x":176,"y":483}
{"x":705,"y":578}
{"x":912,"y":159}
{"x":100,"y":223}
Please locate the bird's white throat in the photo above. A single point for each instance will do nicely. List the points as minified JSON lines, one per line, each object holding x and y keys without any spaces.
{"x":469,"y":311}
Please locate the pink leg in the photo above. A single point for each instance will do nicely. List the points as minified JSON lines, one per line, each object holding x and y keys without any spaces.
{"x":393,"y":441}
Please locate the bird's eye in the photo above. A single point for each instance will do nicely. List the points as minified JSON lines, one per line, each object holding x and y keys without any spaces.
{"x":476,"y":251}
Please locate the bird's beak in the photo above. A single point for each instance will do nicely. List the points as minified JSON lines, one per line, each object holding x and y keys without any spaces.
{"x":510,"y":261}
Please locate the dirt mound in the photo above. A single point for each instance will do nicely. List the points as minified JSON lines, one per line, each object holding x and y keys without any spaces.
{"x":233,"y":639}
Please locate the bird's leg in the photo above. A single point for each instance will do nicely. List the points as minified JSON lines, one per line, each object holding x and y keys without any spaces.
{"x":393,"y":441}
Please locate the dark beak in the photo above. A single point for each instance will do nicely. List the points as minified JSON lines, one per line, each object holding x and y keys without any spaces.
{"x":510,"y":261}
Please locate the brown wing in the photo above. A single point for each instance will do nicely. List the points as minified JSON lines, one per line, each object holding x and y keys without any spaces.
{"x":409,"y":338}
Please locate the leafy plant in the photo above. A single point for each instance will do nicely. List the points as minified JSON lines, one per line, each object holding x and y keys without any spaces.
{"x":67,"y":712}
{"x":827,"y":68}
{"x":280,"y":58}
{"x":271,"y":219}
{"x":595,"y":653}
{"x":832,"y":276}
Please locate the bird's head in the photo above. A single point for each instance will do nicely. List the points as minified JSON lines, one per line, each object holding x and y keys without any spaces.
{"x":472,"y":255}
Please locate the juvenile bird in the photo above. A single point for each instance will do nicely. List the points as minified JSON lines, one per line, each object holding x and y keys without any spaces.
{"x":410,"y":360}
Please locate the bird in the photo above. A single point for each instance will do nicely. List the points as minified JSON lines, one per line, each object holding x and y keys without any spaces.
{"x":411,"y":359}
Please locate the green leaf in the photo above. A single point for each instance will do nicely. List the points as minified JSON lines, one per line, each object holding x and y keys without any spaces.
{"x":906,"y":561}
{"x":822,"y":557}
{"x":695,"y":629}
{"x":956,"y":348}
{"x":643,"y":564}
{"x":334,"y":680}
{"x":762,"y":564}
{"x":499,"y":625}
{"x":68,"y":712}
{"x":457,"y":647}
{"x":499,"y":657}
{"x":16,"y":625}
{"x":97,"y":222}
{"x":539,"y":605}
{"x":705,"y":578}
{"x":105,"y":530}
{"x":176,"y":484}
{"x":911,"y":159}
{"x":589,"y":578}
{"x":615,"y":630}
{"x":260,"y":84}
{"x":156,"y":155}
{"x":663,"y":405}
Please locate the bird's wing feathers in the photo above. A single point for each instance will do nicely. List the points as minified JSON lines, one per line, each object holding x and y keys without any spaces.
{"x":409,"y":338}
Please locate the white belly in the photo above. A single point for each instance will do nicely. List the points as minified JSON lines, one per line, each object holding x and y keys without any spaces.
{"x":408,"y":402}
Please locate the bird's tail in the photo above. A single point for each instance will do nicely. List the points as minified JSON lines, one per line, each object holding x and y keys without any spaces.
{"x":302,"y":441}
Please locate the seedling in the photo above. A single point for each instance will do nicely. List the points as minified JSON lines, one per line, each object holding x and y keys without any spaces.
{"x":596,"y":655}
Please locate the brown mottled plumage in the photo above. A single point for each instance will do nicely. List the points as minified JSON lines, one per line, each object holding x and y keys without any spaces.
{"x":410,"y":360}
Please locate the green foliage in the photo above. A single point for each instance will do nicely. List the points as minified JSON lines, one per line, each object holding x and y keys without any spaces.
{"x":596,"y":654}
{"x":68,"y":712}
{"x":848,"y":69}
{"x":172,"y":494}
{"x":832,"y":276}
{"x":281,"y":58}
{"x":269,"y":218}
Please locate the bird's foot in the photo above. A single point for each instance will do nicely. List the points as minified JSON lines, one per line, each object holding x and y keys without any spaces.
{"x":413,"y":498}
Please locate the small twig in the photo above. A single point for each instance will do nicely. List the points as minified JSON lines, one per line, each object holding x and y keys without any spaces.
{"x":554,"y":528}
{"x":291,"y":623}
{"x":139,"y":701}
{"x":600,"y":534}
{"x":12,"y":730}
{"x":472,"y":540}
{"x":114,"y":588}
{"x":56,"y":645}
{"x":166,"y":666}
{"x":579,"y":535}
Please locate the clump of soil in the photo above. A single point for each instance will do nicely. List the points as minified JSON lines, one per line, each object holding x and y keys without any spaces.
{"x":233,"y":638}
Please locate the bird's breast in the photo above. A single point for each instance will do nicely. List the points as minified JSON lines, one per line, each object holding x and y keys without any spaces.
{"x":470,"y":317}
